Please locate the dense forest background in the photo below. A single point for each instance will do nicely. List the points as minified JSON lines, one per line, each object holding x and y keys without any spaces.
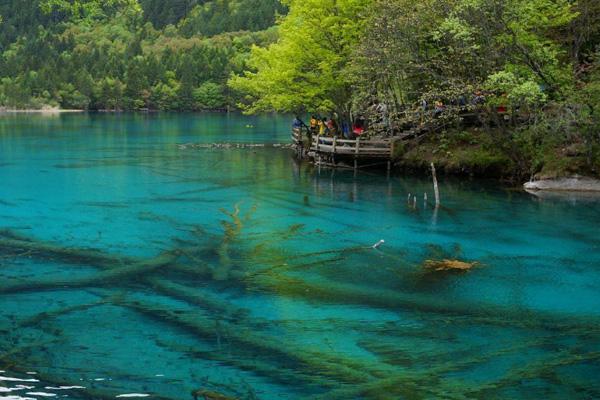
{"x":128,"y":54}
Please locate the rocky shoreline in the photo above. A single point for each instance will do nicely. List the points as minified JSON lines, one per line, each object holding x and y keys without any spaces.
{"x":568,"y":184}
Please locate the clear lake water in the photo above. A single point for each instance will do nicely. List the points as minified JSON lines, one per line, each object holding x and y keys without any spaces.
{"x":137,"y":261}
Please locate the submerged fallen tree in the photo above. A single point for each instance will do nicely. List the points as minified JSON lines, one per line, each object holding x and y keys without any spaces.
{"x":310,"y":361}
{"x":99,"y":279}
{"x":15,"y":244}
{"x":333,"y":292}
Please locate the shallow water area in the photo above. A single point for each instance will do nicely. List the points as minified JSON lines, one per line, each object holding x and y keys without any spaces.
{"x":134,"y":267}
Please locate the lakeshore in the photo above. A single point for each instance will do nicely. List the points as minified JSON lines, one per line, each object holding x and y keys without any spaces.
{"x":50,"y":111}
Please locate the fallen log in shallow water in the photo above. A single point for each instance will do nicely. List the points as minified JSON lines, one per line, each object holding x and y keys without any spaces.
{"x":52,"y":251}
{"x":256,"y":365}
{"x":436,"y":381}
{"x":307,"y":360}
{"x":99,"y":279}
{"x":329,"y":291}
{"x":544,"y":369}
{"x":45,"y":316}
{"x":220,"y":309}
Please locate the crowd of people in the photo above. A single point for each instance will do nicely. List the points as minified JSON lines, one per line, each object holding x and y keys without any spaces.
{"x":330,"y":126}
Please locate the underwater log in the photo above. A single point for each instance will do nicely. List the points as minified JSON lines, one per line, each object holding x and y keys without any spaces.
{"x":333,"y":292}
{"x":330,"y":366}
{"x":100,"y":279}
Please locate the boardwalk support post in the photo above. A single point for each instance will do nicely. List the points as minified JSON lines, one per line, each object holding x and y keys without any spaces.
{"x":334,"y":148}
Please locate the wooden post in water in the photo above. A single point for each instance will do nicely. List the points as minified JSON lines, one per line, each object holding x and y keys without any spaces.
{"x":436,"y":189}
{"x":356,"y":152}
{"x":334,"y":147}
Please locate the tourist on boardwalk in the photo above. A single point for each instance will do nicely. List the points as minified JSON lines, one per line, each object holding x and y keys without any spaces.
{"x":332,"y":126}
{"x":346,"y":131}
{"x":298,"y":124}
{"x":322,"y":126}
{"x":358,"y":128}
{"x":314,"y":125}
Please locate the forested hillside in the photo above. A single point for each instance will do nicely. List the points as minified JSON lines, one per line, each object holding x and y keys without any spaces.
{"x":511,"y":86}
{"x":128,"y":54}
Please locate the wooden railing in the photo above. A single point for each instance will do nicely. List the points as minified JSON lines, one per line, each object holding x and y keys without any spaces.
{"x":361,"y":148}
{"x":297,"y":136}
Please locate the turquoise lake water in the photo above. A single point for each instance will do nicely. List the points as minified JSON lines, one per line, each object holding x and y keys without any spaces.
{"x":134,"y":264}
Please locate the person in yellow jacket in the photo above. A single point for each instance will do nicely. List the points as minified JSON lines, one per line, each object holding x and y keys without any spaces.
{"x":322,"y":127}
{"x":314,"y":124}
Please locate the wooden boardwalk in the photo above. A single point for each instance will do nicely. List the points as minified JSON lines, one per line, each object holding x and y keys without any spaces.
{"x":330,"y":151}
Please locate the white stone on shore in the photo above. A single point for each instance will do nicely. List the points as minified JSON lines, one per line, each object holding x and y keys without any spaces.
{"x":573,"y":184}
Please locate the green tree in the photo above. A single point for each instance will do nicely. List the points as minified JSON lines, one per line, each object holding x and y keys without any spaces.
{"x":188,"y":83}
{"x":136,"y":84}
{"x":109,"y":95}
{"x":70,"y":98}
{"x":164,"y":95}
{"x":209,"y":96}
{"x":307,"y":67}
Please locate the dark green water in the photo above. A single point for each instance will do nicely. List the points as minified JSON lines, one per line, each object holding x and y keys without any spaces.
{"x":132,"y":266}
